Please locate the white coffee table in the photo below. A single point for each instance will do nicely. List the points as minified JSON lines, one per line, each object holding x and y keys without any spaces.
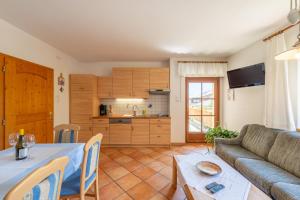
{"x":193,"y":181}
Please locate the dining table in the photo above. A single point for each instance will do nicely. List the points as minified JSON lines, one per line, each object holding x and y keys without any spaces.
{"x":13,"y":171}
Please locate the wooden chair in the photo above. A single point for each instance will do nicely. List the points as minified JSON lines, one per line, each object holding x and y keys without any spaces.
{"x":66,"y":133}
{"x":80,"y":182}
{"x":43,"y":183}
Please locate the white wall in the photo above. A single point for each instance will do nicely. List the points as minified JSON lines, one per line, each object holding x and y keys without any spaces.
{"x":177,"y":98}
{"x":248,"y":106}
{"x":20,"y":44}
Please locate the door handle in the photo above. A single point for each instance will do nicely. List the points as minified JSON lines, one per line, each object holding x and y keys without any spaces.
{"x":50,"y":115}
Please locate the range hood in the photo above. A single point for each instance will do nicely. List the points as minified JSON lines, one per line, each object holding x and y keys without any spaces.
{"x":159,"y":91}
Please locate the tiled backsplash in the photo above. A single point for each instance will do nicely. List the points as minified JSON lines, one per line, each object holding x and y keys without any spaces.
{"x":160,"y":105}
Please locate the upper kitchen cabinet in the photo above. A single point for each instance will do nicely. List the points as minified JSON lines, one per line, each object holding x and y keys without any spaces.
{"x":140,"y":83}
{"x":122,"y":82}
{"x":105,"y":87}
{"x":159,"y":78}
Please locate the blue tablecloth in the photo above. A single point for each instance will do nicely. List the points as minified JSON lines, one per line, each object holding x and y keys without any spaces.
{"x":12,"y":171}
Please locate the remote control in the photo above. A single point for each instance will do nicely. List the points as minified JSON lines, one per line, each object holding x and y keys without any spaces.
{"x":211,"y":185}
{"x":217,"y":188}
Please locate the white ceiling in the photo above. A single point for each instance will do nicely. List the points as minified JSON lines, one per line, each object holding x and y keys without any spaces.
{"x":146,"y":30}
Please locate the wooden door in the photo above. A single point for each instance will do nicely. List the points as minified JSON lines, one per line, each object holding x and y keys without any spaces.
{"x":140,"y":83}
{"x":202,"y":107}
{"x":105,"y":87}
{"x":140,"y":131}
{"x":1,"y":102}
{"x":159,"y":78}
{"x":28,"y":99}
{"x":122,"y":82}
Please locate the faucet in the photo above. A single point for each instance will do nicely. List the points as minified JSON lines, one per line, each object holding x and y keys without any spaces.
{"x":134,"y":109}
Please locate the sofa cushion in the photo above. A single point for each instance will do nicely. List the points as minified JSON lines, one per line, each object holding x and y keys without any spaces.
{"x":259,"y":139}
{"x":264,"y":174}
{"x":230,"y":153}
{"x":285,"y":152}
{"x":285,"y":191}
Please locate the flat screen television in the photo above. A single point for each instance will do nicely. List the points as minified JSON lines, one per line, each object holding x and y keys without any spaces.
{"x":253,"y":75}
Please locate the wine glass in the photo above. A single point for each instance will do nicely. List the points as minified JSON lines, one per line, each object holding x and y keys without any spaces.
{"x":29,"y":141}
{"x":13,"y":139}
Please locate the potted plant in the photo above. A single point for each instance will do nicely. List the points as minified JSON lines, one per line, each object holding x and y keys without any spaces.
{"x":218,"y":132}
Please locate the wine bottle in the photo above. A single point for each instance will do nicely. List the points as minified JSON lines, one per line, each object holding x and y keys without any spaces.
{"x":21,"y":150}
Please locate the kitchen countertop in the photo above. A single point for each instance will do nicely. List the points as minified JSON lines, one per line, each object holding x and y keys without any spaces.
{"x":131,"y":116}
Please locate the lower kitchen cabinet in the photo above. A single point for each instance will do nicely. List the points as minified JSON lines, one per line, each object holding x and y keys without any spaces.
{"x":104,"y":131}
{"x":85,"y":133}
{"x":160,"y":131}
{"x":160,"y":139}
{"x":120,"y":133}
{"x":101,"y":126}
{"x":140,"y":131}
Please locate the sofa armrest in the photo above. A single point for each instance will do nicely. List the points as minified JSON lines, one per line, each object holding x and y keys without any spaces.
{"x":233,"y":141}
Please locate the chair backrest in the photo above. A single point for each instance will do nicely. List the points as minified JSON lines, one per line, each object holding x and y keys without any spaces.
{"x":66,"y":133}
{"x":43,"y":183}
{"x":90,"y":162}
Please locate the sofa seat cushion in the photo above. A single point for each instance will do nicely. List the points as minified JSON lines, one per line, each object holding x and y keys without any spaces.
{"x":230,"y":153}
{"x":285,"y":152}
{"x":259,"y":139}
{"x":264,"y":174}
{"x":285,"y":191}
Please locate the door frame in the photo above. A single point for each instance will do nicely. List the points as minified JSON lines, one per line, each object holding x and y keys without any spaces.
{"x":200,"y":137}
{"x":2,"y":101}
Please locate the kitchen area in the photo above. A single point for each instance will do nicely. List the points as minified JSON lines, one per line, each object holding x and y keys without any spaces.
{"x":130,"y":107}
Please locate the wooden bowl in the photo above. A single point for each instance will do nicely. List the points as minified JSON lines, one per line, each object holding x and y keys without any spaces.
{"x":209,"y":168}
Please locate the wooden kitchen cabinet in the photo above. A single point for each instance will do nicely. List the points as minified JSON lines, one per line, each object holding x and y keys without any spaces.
{"x":140,"y":83}
{"x":101,"y":126}
{"x":160,"y":130}
{"x":140,"y":131}
{"x":83,"y":103}
{"x":120,"y":133}
{"x":105,"y":87}
{"x":159,"y":78}
{"x":85,"y":133}
{"x":122,"y":82}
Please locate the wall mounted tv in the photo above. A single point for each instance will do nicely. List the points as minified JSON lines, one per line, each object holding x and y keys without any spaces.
{"x":253,"y":75}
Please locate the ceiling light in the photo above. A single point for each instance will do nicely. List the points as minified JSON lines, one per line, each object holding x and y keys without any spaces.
{"x":294,"y":18}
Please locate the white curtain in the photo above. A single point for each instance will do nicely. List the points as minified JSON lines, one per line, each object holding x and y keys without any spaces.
{"x":278,"y":107}
{"x":202,"y":69}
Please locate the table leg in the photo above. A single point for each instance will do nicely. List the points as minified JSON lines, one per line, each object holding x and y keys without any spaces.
{"x":174,"y":177}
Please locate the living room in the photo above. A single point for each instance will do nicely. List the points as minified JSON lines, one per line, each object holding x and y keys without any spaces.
{"x":179,"y":97}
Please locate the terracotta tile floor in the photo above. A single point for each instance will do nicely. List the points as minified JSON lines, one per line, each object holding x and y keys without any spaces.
{"x":140,"y":173}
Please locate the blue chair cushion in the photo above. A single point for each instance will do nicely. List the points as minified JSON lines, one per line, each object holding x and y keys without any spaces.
{"x":66,"y":137}
{"x":71,"y":186}
{"x":47,"y":189}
